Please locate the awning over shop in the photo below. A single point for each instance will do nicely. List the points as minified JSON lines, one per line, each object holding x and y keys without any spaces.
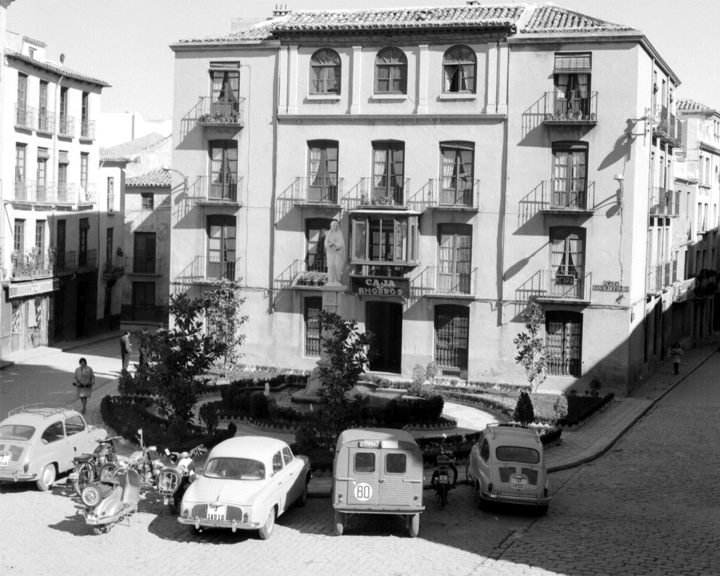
{"x":25,"y":289}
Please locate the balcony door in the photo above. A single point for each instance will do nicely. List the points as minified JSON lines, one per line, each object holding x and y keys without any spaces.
{"x":568,"y":261}
{"x":60,"y":262}
{"x":388,"y":172}
{"x":225,"y":92}
{"x":457,"y":174}
{"x":144,"y":253}
{"x":223,"y":170}
{"x":323,"y":171}
{"x":569,"y":175}
{"x":221,"y":231}
{"x":455,"y":258}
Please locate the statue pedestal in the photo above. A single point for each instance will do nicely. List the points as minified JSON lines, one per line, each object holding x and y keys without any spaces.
{"x":333,"y":296}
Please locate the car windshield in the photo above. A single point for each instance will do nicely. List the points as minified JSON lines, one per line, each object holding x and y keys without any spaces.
{"x":517,"y":454}
{"x":16,"y":432}
{"x":235,"y":469}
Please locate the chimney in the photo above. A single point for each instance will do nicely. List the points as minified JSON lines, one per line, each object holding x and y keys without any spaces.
{"x":281,"y":10}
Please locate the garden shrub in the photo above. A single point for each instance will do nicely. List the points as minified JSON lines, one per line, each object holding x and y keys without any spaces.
{"x":209,"y":416}
{"x":259,"y":406}
{"x":524,"y":413}
{"x":409,"y":411}
{"x":595,"y":386}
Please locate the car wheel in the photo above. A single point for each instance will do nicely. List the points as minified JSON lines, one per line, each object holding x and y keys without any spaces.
{"x":302,"y":500}
{"x":86,"y":475}
{"x":468,"y":477}
{"x":47,"y":477}
{"x":339,"y":523}
{"x":414,"y":525}
{"x":266,"y":531}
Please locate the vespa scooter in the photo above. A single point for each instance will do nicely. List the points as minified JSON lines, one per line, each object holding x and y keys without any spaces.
{"x":111,"y":500}
{"x":173,"y":481}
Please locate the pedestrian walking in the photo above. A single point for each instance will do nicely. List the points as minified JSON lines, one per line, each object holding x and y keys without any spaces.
{"x":125,"y":349}
{"x":84,"y":381}
{"x":676,"y":352}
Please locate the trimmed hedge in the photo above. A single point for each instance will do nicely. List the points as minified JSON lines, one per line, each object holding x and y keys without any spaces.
{"x":127,"y":415}
{"x":582,"y":407}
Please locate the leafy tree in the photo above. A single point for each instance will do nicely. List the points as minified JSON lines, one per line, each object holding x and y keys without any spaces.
{"x":176,"y":360}
{"x":346,"y":349}
{"x":531,"y":346}
{"x":222,"y":306}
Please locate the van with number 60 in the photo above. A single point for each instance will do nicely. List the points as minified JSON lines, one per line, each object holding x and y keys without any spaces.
{"x":377,"y":471}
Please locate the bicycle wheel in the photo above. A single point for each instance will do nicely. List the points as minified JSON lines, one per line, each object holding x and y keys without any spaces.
{"x":86,"y":475}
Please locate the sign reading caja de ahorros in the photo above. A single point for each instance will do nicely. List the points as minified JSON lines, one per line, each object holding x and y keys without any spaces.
{"x":380,"y":286}
{"x":610,"y":286}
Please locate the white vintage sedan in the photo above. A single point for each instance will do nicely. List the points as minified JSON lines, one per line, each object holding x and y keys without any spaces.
{"x":246,"y":484}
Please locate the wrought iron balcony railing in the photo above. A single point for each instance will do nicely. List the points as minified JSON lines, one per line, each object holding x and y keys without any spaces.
{"x":143,"y":265}
{"x":66,"y":126}
{"x":219,"y":188}
{"x":220,"y":111}
{"x":24,"y":116}
{"x":567,"y":196}
{"x":202,"y":269}
{"x":567,"y":285}
{"x":383,"y":191}
{"x":661,"y":203}
{"x":46,"y":122}
{"x":317,"y":189}
{"x":87,"y":129}
{"x":451,"y":193}
{"x":32,"y":265}
{"x":576,"y":110}
{"x":87,"y":194}
{"x":451,"y":279}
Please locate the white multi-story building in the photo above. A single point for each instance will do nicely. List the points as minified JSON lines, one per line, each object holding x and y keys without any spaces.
{"x":477,"y":158}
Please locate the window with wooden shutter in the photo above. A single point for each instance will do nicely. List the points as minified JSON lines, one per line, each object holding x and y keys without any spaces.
{"x":564,"y":343}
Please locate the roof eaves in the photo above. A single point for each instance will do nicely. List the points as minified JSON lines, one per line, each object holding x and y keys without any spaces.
{"x":59,"y":70}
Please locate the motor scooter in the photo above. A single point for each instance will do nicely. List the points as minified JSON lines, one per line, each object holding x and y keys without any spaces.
{"x":109,"y":501}
{"x":445,"y":475}
{"x":173,"y":480}
{"x":141,"y":461}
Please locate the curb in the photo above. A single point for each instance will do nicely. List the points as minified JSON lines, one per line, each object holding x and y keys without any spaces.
{"x":627,"y":427}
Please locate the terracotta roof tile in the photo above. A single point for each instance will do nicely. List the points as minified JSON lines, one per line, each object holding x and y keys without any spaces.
{"x":541,"y":18}
{"x":156,"y":178}
{"x":56,"y":68}
{"x":551,"y":18}
{"x":688,"y":104}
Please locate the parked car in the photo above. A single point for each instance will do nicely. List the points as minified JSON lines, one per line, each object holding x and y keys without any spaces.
{"x":378,"y":471}
{"x":246,"y":484}
{"x":39,"y":441}
{"x":508,"y":465}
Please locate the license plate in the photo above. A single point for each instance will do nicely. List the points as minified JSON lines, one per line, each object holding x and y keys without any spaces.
{"x":213,"y":516}
{"x":5,"y":459}
{"x":519,"y":483}
{"x":443,"y":479}
{"x":216,"y":513}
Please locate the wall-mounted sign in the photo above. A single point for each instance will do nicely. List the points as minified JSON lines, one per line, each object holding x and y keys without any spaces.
{"x":380,"y":286}
{"x":26,"y":289}
{"x":564,"y":279}
{"x":610,"y":286}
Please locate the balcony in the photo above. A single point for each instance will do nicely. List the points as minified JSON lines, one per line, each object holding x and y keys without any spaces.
{"x":114,"y":269}
{"x":24,"y":116}
{"x":439,"y":282}
{"x":87,"y":130}
{"x":74,"y":261}
{"x":218,"y":189}
{"x":66,"y":127}
{"x":143,"y":266}
{"x":220,"y":112}
{"x":32,"y":265}
{"x":309,"y":274}
{"x":577,"y":111}
{"x":317,"y":191}
{"x":24,"y":190}
{"x":46,"y":122}
{"x":669,"y":127}
{"x":555,"y":198}
{"x":201,"y":270}
{"x":87,"y":194}
{"x":661,"y":203}
{"x":659,"y":276}
{"x":379,"y":193}
{"x":64,"y":193}
{"x":444,"y":194}
{"x":568,"y":288}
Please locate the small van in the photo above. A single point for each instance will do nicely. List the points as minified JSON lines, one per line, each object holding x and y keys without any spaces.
{"x":377,"y":471}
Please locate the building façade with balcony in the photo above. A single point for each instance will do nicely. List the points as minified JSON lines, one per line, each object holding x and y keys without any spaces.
{"x":477,"y":158}
{"x":54,"y":215}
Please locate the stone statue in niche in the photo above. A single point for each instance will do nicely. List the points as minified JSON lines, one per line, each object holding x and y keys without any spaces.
{"x":335,"y":253}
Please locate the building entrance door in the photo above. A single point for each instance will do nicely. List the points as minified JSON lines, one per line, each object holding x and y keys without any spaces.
{"x":143,"y":301}
{"x":384,"y":320}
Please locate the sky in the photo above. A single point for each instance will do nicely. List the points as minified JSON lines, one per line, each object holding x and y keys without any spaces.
{"x":126,"y":43}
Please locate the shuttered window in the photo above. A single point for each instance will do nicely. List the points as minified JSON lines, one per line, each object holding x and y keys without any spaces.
{"x":564,"y":343}
{"x":455,"y":258}
{"x":452,"y":326}
{"x":312,"y":326}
